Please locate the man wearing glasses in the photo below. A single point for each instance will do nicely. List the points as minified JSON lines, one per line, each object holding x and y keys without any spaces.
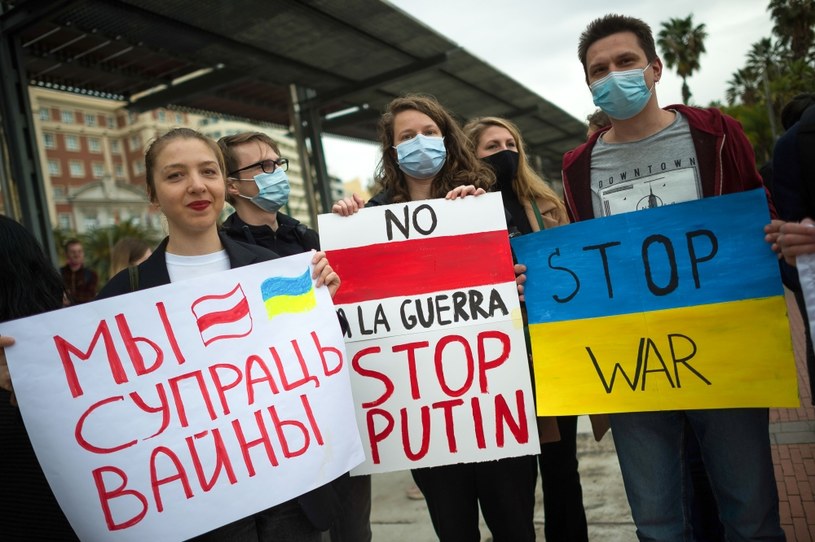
{"x":257,"y":187}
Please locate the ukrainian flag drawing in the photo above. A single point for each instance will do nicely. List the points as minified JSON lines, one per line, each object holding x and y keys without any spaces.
{"x":283,"y":295}
{"x":678,"y":307}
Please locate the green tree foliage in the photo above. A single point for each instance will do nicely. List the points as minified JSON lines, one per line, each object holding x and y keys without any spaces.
{"x":99,"y":242}
{"x":682,"y":44}
{"x":794,"y":25}
{"x":776,"y":68}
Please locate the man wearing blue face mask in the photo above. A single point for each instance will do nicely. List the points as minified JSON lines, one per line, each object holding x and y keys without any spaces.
{"x":693,"y":153}
{"x":257,"y":187}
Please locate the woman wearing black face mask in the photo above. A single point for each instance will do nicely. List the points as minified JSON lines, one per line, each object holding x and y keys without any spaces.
{"x":532,"y":206}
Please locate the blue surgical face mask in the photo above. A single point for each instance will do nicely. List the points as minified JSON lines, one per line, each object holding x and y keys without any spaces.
{"x":273,"y":190}
{"x":421,"y":157}
{"x":622,"y":95}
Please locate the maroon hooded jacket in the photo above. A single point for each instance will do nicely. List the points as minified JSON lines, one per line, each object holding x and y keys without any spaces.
{"x":723,"y":153}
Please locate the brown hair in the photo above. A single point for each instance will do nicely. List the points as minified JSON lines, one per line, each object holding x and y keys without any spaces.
{"x":460,"y":167}
{"x":158,"y":144}
{"x":227,"y":143}
{"x":527,"y":184}
{"x":613,"y":24}
{"x":126,"y":252}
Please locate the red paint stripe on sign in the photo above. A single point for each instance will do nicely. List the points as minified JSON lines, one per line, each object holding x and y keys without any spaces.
{"x":422,"y":266}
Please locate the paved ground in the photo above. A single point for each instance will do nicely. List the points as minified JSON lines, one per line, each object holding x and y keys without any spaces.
{"x":793,"y":435}
{"x":395,"y":518}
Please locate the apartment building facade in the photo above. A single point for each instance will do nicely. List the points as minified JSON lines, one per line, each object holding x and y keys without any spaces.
{"x":92,"y":158}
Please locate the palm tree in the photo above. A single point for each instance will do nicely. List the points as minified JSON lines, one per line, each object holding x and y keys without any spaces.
{"x":794,"y":24}
{"x":765,"y":58}
{"x":744,"y":87}
{"x":682,"y":44}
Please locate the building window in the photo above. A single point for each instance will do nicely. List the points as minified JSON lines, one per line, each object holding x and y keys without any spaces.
{"x":135,"y":142}
{"x":59,"y":192}
{"x":53,"y":168}
{"x":120,"y":171}
{"x":49,"y":141}
{"x":77,"y":168}
{"x":179,"y":118}
{"x":94,"y":144}
{"x":111,"y":121}
{"x":72,"y":142}
{"x":115,"y":146}
{"x":67,"y":117}
{"x":133,"y":117}
{"x":138,"y":167}
{"x":64,"y":220}
{"x":91,"y":222}
{"x":90,"y":119}
{"x":162,"y":116}
{"x":45,"y":113}
{"x":98,"y":170}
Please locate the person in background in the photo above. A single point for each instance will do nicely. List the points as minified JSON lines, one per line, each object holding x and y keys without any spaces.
{"x":707,"y":154}
{"x":80,"y":282}
{"x":257,"y":187}
{"x":597,"y":121}
{"x":532,"y":206}
{"x":29,"y":285}
{"x":126,"y":252}
{"x":426,"y":155}
{"x":794,"y":194}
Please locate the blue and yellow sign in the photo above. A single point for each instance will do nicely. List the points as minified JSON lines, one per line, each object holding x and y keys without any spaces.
{"x":679,"y":307}
{"x":283,"y":295}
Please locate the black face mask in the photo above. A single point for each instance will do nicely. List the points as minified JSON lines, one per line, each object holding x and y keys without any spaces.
{"x":505,"y":164}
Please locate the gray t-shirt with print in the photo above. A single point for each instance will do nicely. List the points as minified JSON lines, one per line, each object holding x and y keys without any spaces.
{"x":658,"y":170}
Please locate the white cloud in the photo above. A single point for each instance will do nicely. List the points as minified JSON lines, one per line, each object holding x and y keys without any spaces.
{"x":535,"y":43}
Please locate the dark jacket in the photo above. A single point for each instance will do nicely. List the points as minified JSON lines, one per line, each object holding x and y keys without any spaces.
{"x":291,"y":236}
{"x":318,"y":503}
{"x":724,"y":155}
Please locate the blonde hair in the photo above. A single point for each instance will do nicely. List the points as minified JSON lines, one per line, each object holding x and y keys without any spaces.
{"x":527,"y":184}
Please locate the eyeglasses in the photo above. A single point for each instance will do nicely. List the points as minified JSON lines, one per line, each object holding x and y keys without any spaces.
{"x":268,"y":166}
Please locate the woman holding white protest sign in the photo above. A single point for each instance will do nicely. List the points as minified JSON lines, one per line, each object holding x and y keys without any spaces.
{"x":426,"y":155}
{"x":29,"y":285}
{"x":186,"y":180}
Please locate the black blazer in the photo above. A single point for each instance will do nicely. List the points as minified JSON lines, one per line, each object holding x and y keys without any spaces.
{"x":318,"y":503}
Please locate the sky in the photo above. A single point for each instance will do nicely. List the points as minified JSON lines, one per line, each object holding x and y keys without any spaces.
{"x":535,"y":43}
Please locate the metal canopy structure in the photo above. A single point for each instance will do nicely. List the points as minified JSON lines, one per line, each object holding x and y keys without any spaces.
{"x":316,"y":65}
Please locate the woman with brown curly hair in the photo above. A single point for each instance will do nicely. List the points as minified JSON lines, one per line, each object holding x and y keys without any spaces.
{"x":425,"y":155}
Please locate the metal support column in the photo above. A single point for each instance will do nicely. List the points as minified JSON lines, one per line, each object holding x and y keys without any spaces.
{"x":323,"y":183}
{"x":26,"y":182}
{"x":296,"y":119}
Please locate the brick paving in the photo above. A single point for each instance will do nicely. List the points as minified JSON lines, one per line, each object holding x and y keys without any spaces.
{"x":792,"y":432}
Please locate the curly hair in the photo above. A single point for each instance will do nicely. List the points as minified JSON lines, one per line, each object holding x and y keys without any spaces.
{"x":527,"y":184}
{"x":460,"y":167}
{"x":29,"y":282}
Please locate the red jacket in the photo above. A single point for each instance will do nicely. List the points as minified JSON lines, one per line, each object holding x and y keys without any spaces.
{"x":724,"y":156}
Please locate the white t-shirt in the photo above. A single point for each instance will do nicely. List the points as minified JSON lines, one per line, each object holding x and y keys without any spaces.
{"x":658,"y":170}
{"x":187,"y":267}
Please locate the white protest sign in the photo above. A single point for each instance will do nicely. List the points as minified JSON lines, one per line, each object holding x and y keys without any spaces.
{"x":165,"y":413}
{"x":436,"y":347}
